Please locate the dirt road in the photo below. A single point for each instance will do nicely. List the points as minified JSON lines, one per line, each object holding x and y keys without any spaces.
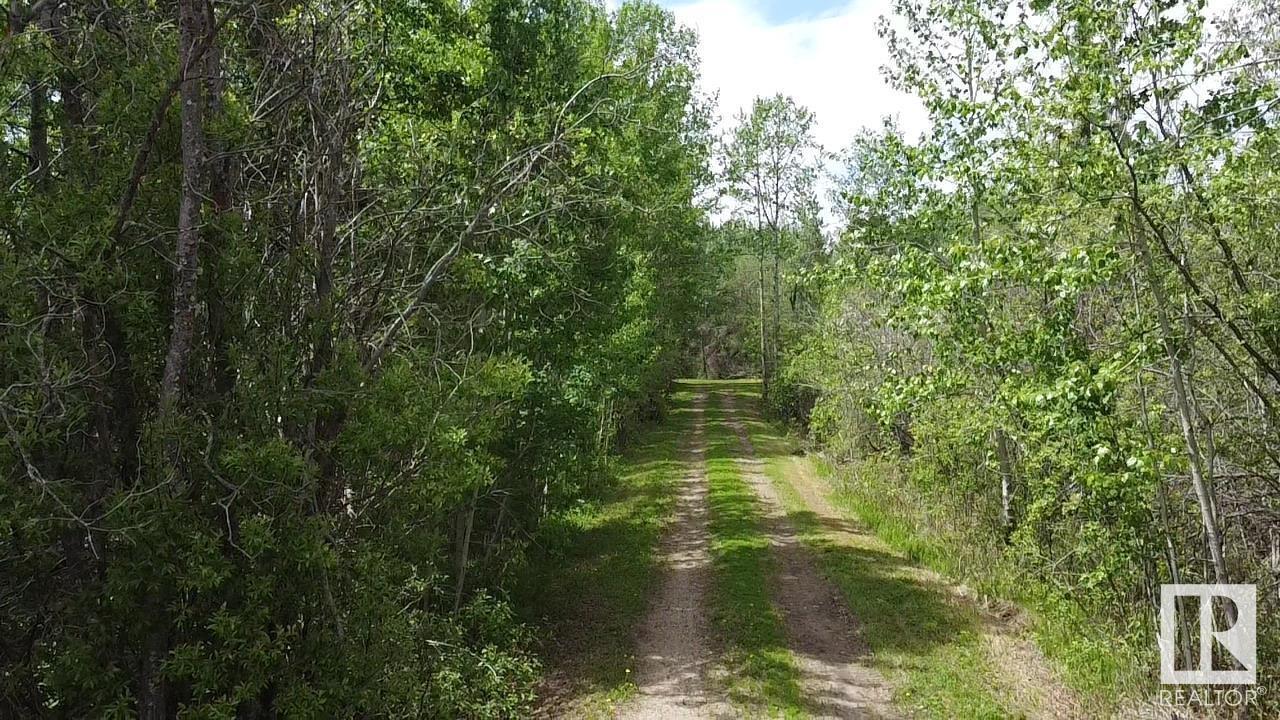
{"x":674,"y":652}
{"x":839,"y":683}
{"x":858,"y":631}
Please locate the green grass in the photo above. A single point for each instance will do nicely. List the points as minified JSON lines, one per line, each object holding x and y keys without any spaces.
{"x":590,"y":580}
{"x":924,"y":639}
{"x":760,"y":672}
{"x":1094,"y":658}
{"x":927,"y":644}
{"x":594,"y":567}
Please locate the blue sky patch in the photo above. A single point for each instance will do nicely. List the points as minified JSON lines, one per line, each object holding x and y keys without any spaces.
{"x":776,"y":12}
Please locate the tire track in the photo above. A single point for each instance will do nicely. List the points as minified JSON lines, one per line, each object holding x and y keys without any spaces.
{"x":674,"y":651}
{"x":822,"y":635}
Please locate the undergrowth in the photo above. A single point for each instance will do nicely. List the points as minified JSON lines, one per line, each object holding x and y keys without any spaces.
{"x":1099,"y":659}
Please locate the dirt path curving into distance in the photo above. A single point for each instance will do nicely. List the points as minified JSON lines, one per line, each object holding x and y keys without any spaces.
{"x":674,"y":651}
{"x":834,"y":662}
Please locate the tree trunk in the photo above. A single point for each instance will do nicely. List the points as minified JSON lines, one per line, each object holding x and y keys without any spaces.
{"x":777,"y":296}
{"x":38,"y":141}
{"x":703,"y":340}
{"x":1005,"y":457}
{"x":1186,"y":419}
{"x":153,"y":702}
{"x":38,"y":93}
{"x":464,"y":547}
{"x":186,"y":257}
{"x":764,"y":352}
{"x":153,"y":690}
{"x":1162,"y":495}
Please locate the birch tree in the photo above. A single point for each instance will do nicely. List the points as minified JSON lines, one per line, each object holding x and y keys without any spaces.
{"x":771,"y":167}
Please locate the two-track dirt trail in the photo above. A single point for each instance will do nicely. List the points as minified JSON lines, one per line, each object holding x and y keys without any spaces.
{"x":676,"y":652}
{"x":833,"y":661}
{"x":843,"y":610}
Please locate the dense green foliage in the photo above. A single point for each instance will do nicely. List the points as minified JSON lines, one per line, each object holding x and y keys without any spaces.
{"x":309,"y":313}
{"x":1057,"y":311}
{"x":597,"y":562}
{"x":313,"y":314}
{"x":769,"y":169}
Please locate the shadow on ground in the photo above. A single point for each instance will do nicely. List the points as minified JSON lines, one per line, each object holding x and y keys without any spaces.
{"x":911,"y":620}
{"x":593,"y":567}
{"x":595,"y":571}
{"x":899,"y":609}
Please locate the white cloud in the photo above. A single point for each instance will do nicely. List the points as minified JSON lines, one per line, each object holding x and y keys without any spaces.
{"x":830,"y":64}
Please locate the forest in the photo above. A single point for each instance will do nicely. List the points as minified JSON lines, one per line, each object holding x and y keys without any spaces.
{"x":365,"y":359}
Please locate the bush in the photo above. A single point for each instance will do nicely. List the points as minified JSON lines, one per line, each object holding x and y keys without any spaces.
{"x":484,"y":667}
{"x":790,"y":400}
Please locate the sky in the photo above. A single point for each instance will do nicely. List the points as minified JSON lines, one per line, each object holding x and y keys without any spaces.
{"x":823,"y":53}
